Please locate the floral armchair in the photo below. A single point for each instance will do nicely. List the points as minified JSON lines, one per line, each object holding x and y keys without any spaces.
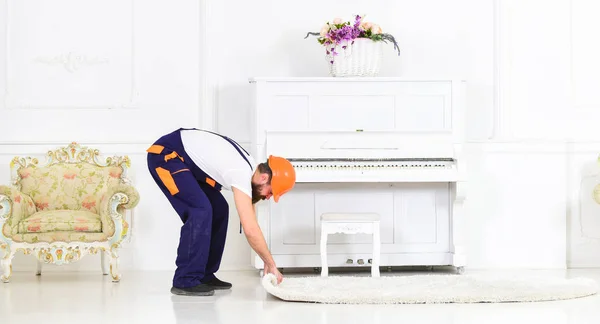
{"x":71,"y":206}
{"x":596,"y":191}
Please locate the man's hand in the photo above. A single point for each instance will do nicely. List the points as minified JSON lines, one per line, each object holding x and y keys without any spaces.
{"x":273,"y":269}
{"x":254,"y":235}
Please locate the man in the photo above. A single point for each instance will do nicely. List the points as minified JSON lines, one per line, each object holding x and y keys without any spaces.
{"x":191,"y":166}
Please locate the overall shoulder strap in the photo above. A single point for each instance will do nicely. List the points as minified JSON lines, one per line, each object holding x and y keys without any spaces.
{"x":237,"y":146}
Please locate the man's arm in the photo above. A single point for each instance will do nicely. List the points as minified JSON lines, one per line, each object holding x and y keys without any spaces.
{"x":245,"y":209}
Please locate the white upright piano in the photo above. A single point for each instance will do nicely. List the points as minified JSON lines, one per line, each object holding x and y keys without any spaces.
{"x":391,"y":146}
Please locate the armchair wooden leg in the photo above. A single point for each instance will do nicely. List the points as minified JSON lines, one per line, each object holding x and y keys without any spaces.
{"x":103,"y":263}
{"x":6,"y":264}
{"x":38,"y":272}
{"x":114,"y":266}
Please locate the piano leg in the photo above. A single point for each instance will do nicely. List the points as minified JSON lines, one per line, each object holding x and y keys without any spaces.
{"x":458,"y":226}
{"x":376,"y":251}
{"x":324,"y":267}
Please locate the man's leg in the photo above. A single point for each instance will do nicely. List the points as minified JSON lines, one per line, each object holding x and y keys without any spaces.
{"x":218,"y":236}
{"x":193,"y":207}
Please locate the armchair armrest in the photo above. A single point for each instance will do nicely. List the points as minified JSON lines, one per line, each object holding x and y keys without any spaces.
{"x":15,"y":207}
{"x":117,"y":198}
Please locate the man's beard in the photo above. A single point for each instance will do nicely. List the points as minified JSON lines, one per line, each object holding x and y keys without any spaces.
{"x":256,"y":196}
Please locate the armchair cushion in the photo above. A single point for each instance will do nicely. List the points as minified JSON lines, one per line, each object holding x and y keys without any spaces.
{"x":67,"y":237}
{"x":68,"y":186}
{"x":61,"y":220}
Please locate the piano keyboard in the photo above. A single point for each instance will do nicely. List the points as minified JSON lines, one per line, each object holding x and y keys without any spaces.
{"x":374,"y":170}
{"x":371,"y":163}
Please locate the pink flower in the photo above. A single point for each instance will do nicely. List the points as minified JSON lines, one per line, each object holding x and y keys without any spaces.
{"x":324,"y":30}
{"x":115,"y":172}
{"x":69,"y":175}
{"x":338,"y":21}
{"x":366,"y":25}
{"x":33,"y":228}
{"x":41,"y":205}
{"x":375,"y":29}
{"x":88,"y":204}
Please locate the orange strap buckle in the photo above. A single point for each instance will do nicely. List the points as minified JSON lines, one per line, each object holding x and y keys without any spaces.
{"x":155,"y":149}
{"x":211,"y":182}
{"x":172,"y":156}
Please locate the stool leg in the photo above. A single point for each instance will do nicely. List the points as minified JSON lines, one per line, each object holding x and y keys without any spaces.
{"x":376,"y":251}
{"x":324,"y":268}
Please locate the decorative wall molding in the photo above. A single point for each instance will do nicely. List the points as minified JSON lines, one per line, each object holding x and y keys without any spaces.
{"x":70,"y":61}
{"x":503,"y":125}
{"x":569,"y":27}
{"x":497,"y":113}
{"x":36,"y":148}
{"x":208,"y":83}
{"x":4,"y":53}
{"x":584,"y":64}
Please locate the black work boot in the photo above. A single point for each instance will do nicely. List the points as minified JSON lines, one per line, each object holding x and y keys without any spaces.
{"x":200,"y":290}
{"x":218,"y":284}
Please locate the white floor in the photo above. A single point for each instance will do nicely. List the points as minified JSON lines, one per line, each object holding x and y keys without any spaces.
{"x":144,"y":297}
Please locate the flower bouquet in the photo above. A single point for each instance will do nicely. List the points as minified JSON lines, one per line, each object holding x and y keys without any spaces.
{"x":353,"y":49}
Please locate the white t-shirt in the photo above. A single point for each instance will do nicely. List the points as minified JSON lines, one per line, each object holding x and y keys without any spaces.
{"x":218,"y":158}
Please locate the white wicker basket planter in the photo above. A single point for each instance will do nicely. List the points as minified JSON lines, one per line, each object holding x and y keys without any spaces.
{"x":363,"y":58}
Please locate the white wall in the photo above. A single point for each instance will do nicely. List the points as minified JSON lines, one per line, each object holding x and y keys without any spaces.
{"x":455,"y":38}
{"x":71,"y":69}
{"x":532,"y":107}
{"x":531,"y":104}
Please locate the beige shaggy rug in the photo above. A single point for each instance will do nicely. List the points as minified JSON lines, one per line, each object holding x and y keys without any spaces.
{"x":427,"y":289}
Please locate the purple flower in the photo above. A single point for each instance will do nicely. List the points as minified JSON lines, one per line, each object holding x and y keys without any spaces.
{"x":357,"y":21}
{"x":344,"y":33}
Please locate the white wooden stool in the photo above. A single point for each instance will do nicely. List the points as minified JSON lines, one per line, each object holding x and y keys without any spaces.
{"x":350,"y":224}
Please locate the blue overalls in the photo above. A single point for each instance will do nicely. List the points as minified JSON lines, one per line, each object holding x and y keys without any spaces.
{"x":199,"y":203}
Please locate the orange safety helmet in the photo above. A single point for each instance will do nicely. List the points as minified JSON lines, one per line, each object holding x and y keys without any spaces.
{"x":283,"y":178}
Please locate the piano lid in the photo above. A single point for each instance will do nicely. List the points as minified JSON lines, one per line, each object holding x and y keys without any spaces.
{"x":358,"y":119}
{"x":356,"y":146}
